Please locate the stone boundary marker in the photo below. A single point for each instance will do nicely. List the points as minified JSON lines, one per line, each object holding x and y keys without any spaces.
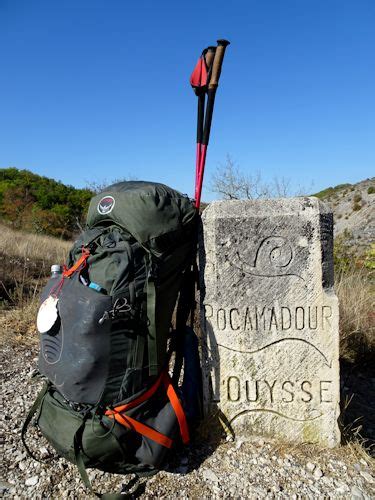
{"x":270,"y":318}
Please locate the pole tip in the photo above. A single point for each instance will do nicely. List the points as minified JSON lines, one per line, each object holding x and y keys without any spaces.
{"x":223,"y":42}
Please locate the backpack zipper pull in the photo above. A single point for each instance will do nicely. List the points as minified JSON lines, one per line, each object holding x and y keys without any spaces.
{"x":104,"y":317}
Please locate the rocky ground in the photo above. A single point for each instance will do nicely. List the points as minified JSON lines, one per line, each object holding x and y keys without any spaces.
{"x":210,"y":468}
{"x":353,"y":207}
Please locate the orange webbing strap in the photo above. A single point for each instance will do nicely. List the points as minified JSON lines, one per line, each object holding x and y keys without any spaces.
{"x":118,"y":413}
{"x":177,"y":407}
{"x":78,"y":264}
{"x":142,"y":398}
{"x":143,"y":429}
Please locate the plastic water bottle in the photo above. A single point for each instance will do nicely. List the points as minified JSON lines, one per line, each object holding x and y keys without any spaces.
{"x":56,"y":271}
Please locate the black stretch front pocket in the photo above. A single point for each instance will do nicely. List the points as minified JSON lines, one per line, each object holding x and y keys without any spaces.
{"x":75,"y":358}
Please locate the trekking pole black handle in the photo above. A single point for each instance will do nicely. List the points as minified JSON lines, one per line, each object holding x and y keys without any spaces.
{"x":218,"y":61}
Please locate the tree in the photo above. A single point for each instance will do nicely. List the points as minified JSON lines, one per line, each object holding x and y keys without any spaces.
{"x":16,"y":204}
{"x":99,"y":186}
{"x":230,"y":183}
{"x":39,"y":204}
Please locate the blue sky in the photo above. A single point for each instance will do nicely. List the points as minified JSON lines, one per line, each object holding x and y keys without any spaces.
{"x":93,"y":90}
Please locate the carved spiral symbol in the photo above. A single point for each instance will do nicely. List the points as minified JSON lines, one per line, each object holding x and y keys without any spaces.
{"x":274,"y":252}
{"x":273,"y":257}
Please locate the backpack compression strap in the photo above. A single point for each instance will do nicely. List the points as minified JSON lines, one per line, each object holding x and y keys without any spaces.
{"x":35,"y":407}
{"x":118,"y":413}
{"x":78,"y":455}
{"x":152,"y":333}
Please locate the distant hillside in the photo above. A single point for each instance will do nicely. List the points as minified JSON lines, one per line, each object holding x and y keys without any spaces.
{"x":41,"y":205}
{"x":45,"y":206}
{"x":353,"y":207}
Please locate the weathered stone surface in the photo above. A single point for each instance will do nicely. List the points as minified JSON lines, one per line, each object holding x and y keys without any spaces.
{"x":270,"y":318}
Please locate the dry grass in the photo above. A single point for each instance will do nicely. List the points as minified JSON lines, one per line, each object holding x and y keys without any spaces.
{"x":32,"y":247}
{"x":352,"y":450}
{"x":355,"y":289}
{"x":18,"y":325}
{"x":352,"y":434}
{"x":25,"y":261}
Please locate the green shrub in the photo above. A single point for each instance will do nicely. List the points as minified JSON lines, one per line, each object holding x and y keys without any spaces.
{"x":357,"y":198}
{"x":34,"y":203}
{"x":371,"y":190}
{"x":330,"y":191}
{"x":369,"y":261}
{"x":343,"y":254}
{"x":356,"y":207}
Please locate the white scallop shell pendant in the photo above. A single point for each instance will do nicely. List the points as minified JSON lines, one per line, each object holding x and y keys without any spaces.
{"x":47,"y":314}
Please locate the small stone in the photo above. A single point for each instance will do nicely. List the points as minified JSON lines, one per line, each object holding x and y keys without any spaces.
{"x":310,"y":466}
{"x":19,"y":457}
{"x":44,"y":452}
{"x":356,"y":492}
{"x":368,"y":477}
{"x":318,"y":473}
{"x":341,"y":488}
{"x":209,"y":475}
{"x":4,"y":487}
{"x":22,"y":465}
{"x":239,"y":444}
{"x":32,"y":481}
{"x":229,"y":438}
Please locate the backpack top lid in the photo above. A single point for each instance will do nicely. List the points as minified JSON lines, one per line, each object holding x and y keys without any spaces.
{"x":156,"y":215}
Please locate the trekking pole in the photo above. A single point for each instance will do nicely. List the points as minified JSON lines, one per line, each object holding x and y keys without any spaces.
{"x":198,"y":81}
{"x":211,"y":93}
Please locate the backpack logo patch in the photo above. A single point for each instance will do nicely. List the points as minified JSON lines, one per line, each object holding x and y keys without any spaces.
{"x":105,"y":205}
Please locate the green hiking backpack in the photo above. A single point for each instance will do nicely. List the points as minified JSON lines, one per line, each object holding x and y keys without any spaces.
{"x":106,"y":336}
